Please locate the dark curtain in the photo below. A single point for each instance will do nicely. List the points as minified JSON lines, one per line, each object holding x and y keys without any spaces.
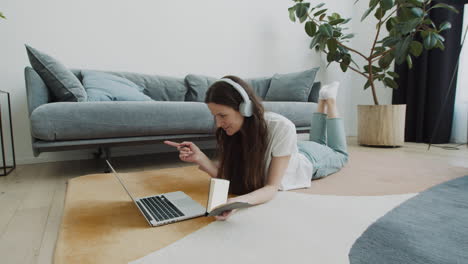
{"x":424,"y":87}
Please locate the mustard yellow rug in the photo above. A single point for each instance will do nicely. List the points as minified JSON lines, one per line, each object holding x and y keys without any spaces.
{"x":101,"y":224}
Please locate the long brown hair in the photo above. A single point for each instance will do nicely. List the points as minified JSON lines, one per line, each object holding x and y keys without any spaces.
{"x":242,"y":155}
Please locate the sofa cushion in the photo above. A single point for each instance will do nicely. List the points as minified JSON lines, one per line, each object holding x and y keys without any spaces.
{"x":260,"y":85}
{"x":102,"y":86}
{"x":63,"y":84}
{"x":158,"y":87}
{"x":292,"y":86}
{"x":197,"y":86}
{"x":300,"y":113}
{"x":73,"y":121}
{"x":314,"y":93}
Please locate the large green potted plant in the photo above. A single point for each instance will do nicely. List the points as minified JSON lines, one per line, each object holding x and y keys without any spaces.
{"x":409,"y":30}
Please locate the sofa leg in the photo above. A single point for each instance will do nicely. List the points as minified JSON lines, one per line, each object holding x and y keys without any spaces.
{"x":98,"y":154}
{"x":101,"y":156}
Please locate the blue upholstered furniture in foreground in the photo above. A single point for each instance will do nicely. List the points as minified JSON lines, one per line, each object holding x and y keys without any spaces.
{"x":176,"y":111}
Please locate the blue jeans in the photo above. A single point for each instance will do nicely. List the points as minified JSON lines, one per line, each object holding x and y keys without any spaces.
{"x":326,"y":148}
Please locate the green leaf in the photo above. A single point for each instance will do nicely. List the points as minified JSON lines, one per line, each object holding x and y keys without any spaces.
{"x":320,"y":12}
{"x":408,"y":26}
{"x":379,"y":76}
{"x":322,"y":16}
{"x":379,"y":13}
{"x":315,"y":41}
{"x":374,"y":69}
{"x":440,"y":45}
{"x":2,"y":16}
{"x":430,"y":41}
{"x":390,"y":41}
{"x":393,"y":74}
{"x":401,"y":49}
{"x":424,"y":34}
{"x":302,"y":19}
{"x":391,"y":22}
{"x":347,"y":59}
{"x":348,"y":36}
{"x":319,"y":5}
{"x":404,"y":13}
{"x":366,"y":85}
{"x":336,"y":15}
{"x":427,"y":21}
{"x":387,"y":4}
{"x":346,"y":21}
{"x":332,"y":44}
{"x":368,"y":11}
{"x":416,"y":2}
{"x":438,"y":37}
{"x":344,"y":66}
{"x":373,"y":3}
{"x":417,"y":11}
{"x":416,"y":48}
{"x":310,"y":28}
{"x":409,"y":61}
{"x":378,"y":50}
{"x":386,"y":60}
{"x":445,"y":26}
{"x":326,"y":30}
{"x":292,"y":11}
{"x":389,"y":82}
{"x":323,"y":43}
{"x":336,"y":21}
{"x":301,"y":10}
{"x":336,"y":34}
{"x":449,"y":7}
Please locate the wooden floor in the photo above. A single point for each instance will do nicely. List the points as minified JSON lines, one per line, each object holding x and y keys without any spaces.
{"x":32,"y":197}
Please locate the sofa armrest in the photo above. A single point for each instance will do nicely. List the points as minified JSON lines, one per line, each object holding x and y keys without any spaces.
{"x":36,"y":90}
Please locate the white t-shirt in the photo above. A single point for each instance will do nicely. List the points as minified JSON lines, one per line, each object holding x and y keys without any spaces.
{"x":282,"y":141}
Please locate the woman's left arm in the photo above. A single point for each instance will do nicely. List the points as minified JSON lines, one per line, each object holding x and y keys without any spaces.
{"x":276,"y":172}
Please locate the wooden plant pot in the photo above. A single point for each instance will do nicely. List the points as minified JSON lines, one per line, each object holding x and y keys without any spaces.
{"x":381,"y":125}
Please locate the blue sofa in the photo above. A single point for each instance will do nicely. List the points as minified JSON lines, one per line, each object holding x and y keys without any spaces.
{"x":177,"y":112}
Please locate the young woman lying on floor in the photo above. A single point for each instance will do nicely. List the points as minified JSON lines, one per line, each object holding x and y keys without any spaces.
{"x":259,"y":151}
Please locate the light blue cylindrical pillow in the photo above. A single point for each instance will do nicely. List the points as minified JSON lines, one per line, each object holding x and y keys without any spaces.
{"x":102,"y":86}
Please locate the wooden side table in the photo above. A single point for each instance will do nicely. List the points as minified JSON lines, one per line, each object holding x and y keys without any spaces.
{"x":6,"y":169}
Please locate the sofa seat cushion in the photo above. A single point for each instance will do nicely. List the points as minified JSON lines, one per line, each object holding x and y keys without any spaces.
{"x":96,"y":120}
{"x":93,"y":120}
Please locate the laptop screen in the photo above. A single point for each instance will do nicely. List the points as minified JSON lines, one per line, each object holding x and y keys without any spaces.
{"x":120,"y":180}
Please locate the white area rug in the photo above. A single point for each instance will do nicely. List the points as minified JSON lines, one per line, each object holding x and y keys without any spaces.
{"x":292,"y":228}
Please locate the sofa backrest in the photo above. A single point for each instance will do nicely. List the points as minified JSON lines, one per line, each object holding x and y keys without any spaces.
{"x":159,"y":88}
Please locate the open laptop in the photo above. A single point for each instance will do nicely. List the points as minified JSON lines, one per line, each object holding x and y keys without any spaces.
{"x":164,"y":208}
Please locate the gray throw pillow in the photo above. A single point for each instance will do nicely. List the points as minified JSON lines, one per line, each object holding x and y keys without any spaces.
{"x":292,"y":86}
{"x":314,"y":93}
{"x":197,"y":87}
{"x":63,"y":84}
{"x":260,"y":85}
{"x":101,"y":86}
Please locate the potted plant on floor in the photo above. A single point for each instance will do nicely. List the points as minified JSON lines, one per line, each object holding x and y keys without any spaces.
{"x":410,"y":31}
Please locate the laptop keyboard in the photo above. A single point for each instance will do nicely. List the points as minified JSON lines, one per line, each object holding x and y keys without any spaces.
{"x":161,"y":208}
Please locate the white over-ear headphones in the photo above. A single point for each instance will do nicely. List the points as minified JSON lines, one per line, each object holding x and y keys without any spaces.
{"x":245,"y":108}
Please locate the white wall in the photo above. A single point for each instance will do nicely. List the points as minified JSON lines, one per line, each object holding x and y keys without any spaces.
{"x":212,"y":37}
